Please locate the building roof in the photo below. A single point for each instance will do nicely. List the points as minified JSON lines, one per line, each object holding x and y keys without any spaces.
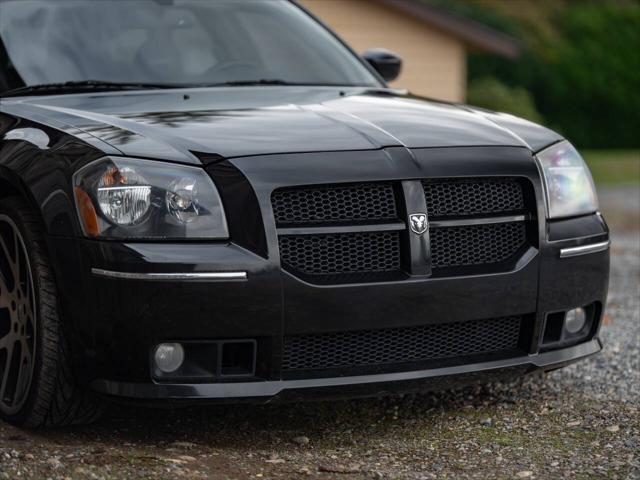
{"x":471,"y":32}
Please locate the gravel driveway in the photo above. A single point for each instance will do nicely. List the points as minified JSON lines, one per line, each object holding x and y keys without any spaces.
{"x":579,"y":422}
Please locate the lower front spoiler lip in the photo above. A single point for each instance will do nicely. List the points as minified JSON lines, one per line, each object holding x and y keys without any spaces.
{"x":247,"y":390}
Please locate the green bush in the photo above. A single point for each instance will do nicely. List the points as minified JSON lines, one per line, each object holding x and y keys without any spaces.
{"x":580,"y":62}
{"x":591,"y":89}
{"x":490,"y":93}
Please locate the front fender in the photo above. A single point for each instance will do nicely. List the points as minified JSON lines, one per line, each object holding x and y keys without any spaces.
{"x":37,"y":162}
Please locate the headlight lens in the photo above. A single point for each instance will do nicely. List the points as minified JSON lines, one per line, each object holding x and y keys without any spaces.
{"x":569,"y":185}
{"x":143,"y":199}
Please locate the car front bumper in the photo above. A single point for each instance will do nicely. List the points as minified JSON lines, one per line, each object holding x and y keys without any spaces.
{"x":353,"y":386}
{"x":114,"y":322}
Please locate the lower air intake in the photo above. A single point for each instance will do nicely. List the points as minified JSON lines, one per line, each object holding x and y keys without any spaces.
{"x":401,"y":345}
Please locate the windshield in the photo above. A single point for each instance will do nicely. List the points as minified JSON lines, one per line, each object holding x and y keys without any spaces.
{"x":177,"y":42}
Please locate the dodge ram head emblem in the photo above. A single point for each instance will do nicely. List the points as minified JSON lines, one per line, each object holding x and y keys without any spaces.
{"x":418,"y":223}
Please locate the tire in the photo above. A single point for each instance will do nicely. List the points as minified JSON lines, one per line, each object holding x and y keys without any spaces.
{"x":37,"y":388}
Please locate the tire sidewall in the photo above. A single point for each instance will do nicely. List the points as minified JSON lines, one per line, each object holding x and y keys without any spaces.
{"x":34,"y":243}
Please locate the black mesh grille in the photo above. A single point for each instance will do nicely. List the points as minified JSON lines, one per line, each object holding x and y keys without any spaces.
{"x":341,"y":254}
{"x":476,"y":244}
{"x":335,"y":204}
{"x":452,"y":197}
{"x":400,"y":345}
{"x":364,"y":256}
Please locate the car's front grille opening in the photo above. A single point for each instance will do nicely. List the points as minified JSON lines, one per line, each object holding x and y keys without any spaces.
{"x":325,"y":255}
{"x":472,"y":196}
{"x":407,"y":345}
{"x":481,"y":243}
{"x":334,"y":204}
{"x":344,"y":254}
{"x":476,"y":244}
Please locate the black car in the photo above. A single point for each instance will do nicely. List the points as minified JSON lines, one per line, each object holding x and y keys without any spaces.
{"x":220,"y":201}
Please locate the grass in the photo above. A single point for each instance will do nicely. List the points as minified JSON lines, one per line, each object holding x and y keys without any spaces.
{"x":614,"y":166}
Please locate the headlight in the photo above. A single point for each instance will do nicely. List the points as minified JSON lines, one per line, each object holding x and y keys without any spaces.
{"x":569,"y":186}
{"x":127,"y":198}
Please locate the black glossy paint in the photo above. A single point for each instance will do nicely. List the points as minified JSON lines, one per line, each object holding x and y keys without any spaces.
{"x":245,"y":121}
{"x":252,"y":140}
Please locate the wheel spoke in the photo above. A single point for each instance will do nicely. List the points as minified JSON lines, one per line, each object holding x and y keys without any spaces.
{"x":7,"y":369}
{"x":6,"y":340}
{"x":22,"y":382}
{"x":3,"y":281}
{"x":4,"y":292}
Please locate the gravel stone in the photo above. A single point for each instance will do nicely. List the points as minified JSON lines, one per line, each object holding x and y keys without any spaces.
{"x":301,"y":440}
{"x":487,"y":422}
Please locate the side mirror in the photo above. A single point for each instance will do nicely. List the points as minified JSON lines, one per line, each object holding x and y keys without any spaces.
{"x":385,"y":62}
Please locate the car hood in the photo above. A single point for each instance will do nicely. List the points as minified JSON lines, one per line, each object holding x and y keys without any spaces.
{"x":189,"y":125}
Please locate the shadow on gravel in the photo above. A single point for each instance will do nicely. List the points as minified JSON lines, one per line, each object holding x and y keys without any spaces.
{"x":264,"y":426}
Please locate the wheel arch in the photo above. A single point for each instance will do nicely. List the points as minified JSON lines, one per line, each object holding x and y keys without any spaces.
{"x":37,"y":160}
{"x":12,"y":186}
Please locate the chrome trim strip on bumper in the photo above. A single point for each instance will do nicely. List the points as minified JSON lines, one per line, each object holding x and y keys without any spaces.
{"x":585,"y":249}
{"x":165,"y":277}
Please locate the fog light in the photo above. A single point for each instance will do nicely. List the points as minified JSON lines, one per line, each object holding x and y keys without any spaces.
{"x":575,"y":320}
{"x":169,"y":357}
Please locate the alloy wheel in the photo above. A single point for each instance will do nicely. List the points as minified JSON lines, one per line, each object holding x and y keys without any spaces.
{"x":17,"y":319}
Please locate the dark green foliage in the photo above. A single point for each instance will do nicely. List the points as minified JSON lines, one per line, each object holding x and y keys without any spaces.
{"x":592,"y":88}
{"x":491,"y":93}
{"x":580,"y":61}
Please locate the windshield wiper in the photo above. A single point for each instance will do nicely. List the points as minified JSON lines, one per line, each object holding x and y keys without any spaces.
{"x":82,"y":86}
{"x":97,"y":85}
{"x":248,"y":83}
{"x":270,"y":81}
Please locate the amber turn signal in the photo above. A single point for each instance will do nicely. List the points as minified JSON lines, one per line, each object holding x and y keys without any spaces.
{"x":87,"y":212}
